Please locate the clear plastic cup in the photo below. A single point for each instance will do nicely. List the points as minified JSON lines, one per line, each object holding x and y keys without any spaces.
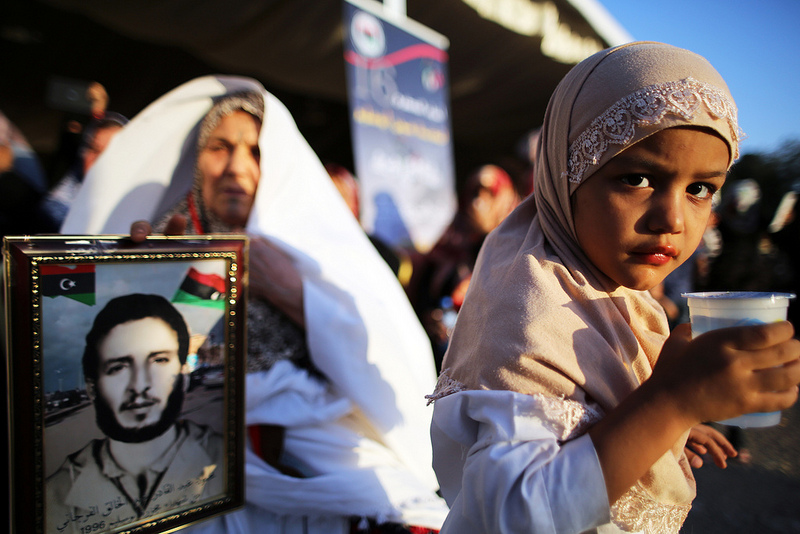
{"x":722,"y":309}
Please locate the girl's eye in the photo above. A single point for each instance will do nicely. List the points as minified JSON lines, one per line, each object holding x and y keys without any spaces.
{"x":700,"y":190}
{"x":636,"y":180}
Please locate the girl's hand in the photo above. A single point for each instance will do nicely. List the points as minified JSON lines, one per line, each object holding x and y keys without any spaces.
{"x":729,"y":372}
{"x":704,"y":439}
{"x":721,"y":374}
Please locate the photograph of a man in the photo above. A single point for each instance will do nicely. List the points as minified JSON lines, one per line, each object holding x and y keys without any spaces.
{"x":150,"y":461}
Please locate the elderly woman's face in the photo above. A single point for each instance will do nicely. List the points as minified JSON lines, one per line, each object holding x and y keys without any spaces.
{"x":229,"y":168}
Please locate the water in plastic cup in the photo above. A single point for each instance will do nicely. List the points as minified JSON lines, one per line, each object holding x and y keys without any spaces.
{"x":721,"y":309}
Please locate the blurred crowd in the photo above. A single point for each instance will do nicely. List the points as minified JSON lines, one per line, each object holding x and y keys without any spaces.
{"x":35,"y":197}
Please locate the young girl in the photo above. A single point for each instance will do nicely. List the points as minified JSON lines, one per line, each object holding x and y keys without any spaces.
{"x":551,"y":414}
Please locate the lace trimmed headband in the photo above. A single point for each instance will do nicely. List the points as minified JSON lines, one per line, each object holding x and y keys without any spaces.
{"x":647,"y":107}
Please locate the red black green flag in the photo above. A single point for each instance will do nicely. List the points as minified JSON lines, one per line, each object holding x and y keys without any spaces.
{"x":71,"y":281}
{"x":201,"y":289}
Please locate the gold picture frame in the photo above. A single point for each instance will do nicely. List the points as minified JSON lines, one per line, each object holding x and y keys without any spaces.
{"x":123,"y":416}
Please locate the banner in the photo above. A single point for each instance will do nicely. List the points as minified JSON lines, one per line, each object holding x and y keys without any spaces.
{"x":398,"y":93}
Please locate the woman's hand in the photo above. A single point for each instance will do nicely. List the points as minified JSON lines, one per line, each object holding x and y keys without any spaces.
{"x":141,"y":229}
{"x":704,"y":439}
{"x":274,"y":277}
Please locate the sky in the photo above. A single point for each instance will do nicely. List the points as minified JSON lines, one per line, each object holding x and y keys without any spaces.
{"x":754,"y":44}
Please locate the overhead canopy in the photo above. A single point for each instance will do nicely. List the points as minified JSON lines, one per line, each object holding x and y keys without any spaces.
{"x":505,"y":58}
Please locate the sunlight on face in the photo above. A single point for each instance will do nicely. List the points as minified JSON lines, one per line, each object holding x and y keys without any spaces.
{"x":229,"y":165}
{"x":644,"y":212}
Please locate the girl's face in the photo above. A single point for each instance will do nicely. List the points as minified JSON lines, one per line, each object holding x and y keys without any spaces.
{"x":644,"y":212}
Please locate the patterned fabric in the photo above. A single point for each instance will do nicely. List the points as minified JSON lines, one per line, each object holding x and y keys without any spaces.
{"x":638,"y":511}
{"x":648,"y":106}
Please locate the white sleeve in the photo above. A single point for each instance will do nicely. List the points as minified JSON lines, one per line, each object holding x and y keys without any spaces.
{"x":503,"y":467}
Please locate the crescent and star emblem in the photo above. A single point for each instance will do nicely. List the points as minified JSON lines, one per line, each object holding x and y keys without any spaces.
{"x":66,"y":284}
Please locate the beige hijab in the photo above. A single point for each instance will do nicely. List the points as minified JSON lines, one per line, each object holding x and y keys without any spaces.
{"x":539,"y":318}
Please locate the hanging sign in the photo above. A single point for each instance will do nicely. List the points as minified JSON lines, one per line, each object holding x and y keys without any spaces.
{"x":400,"y":122}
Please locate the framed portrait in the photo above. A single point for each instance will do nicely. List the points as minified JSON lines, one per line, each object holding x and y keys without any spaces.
{"x":125,"y":367}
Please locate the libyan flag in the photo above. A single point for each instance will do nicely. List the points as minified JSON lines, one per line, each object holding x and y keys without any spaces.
{"x":201,"y":289}
{"x":71,"y":281}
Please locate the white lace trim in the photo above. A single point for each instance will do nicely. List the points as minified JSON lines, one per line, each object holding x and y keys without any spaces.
{"x":566,"y":419}
{"x":445,"y":386}
{"x":645,"y":107}
{"x":637,"y":511}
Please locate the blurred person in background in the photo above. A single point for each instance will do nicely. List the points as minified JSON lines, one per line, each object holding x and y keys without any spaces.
{"x":98,"y":134}
{"x":440,"y":277}
{"x":22,"y":182}
{"x":347,"y":185}
{"x":82,"y":102}
{"x":785,"y":234}
{"x":738,"y":267}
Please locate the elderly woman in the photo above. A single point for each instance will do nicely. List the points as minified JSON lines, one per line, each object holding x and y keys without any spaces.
{"x":336,"y":357}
